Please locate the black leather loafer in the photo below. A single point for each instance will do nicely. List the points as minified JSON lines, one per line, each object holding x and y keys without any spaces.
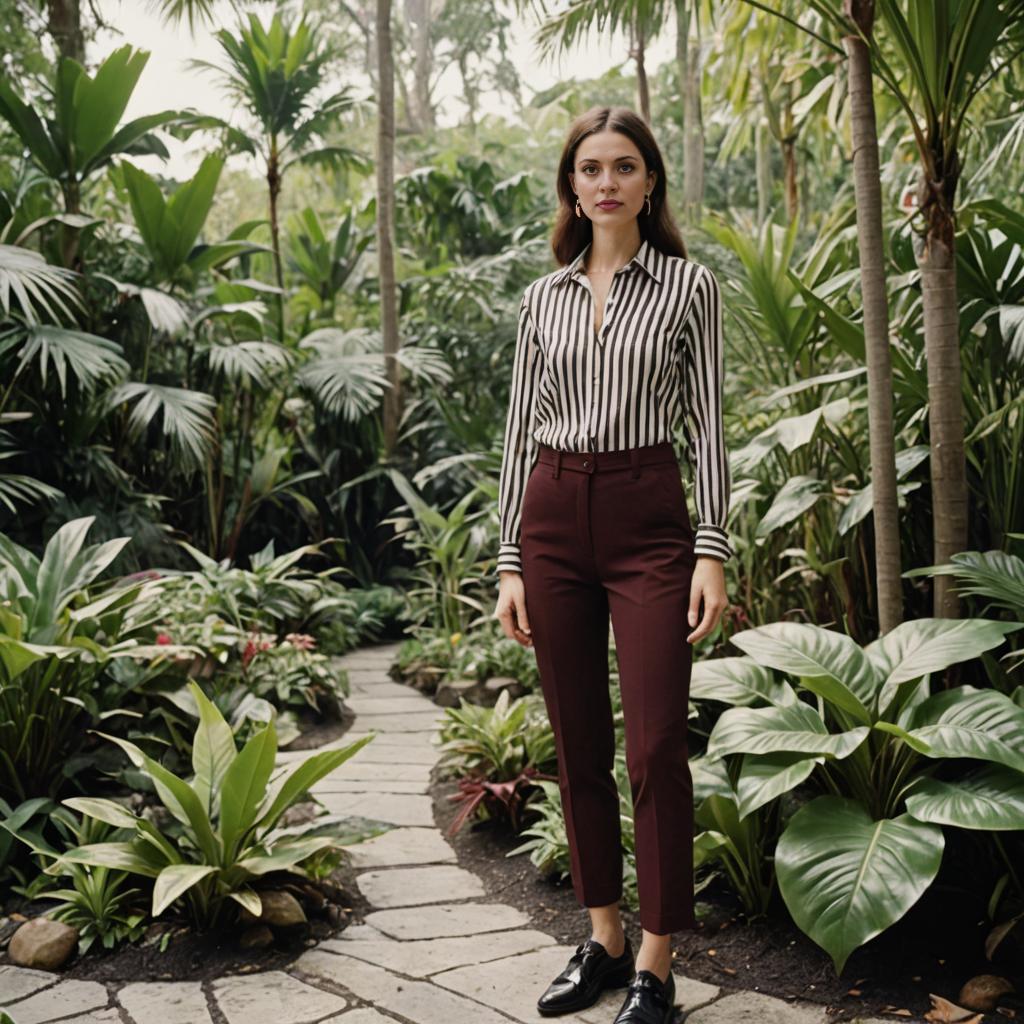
{"x":649,"y":1000}
{"x":589,"y":972}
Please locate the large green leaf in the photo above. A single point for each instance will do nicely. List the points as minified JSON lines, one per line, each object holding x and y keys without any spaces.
{"x":286,"y":854}
{"x":968,"y":722}
{"x":738,"y":681}
{"x":846,"y":878}
{"x":919,"y":646}
{"x":764,"y":777}
{"x":174,"y":881}
{"x":300,"y":777}
{"x":213,"y":750}
{"x":827,"y":663}
{"x":135,"y":857}
{"x":245,"y":785}
{"x":991,"y":799}
{"x":797,"y":728}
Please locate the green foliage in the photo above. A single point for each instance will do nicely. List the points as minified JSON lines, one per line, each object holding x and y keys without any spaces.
{"x":496,"y":742}
{"x":56,"y":640}
{"x":95,"y":900}
{"x":229,"y":814}
{"x":874,"y":742}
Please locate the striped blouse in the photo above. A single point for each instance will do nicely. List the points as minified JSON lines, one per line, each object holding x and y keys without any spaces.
{"x":657,"y":364}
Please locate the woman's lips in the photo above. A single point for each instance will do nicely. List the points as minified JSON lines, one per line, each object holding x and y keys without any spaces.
{"x":609,"y":205}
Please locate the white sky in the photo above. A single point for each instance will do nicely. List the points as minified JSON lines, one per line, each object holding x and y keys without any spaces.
{"x":166,"y":81}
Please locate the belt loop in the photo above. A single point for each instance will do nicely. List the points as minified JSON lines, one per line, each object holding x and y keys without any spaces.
{"x":634,"y":461}
{"x":558,"y":464}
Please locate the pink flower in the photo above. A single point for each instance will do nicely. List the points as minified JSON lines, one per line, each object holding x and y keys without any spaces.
{"x":163,"y":639}
{"x":301,"y":641}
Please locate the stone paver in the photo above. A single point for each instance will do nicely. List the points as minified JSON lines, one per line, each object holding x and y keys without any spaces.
{"x":420,"y":1001}
{"x":395,"y":808}
{"x":402,"y":846}
{"x":419,"y":958}
{"x":422,"y":954}
{"x":756,"y":1008}
{"x":446,"y":919}
{"x":406,"y":887}
{"x":19,"y":982}
{"x":170,"y":1002}
{"x":273,"y":997}
{"x":390,"y":705}
{"x":64,"y":999}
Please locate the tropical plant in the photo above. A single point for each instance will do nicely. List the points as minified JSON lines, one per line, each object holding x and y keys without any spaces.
{"x":84,"y":132}
{"x":96,"y":901}
{"x":275,"y":72}
{"x":228,"y":816}
{"x":873,"y":741}
{"x":56,"y":640}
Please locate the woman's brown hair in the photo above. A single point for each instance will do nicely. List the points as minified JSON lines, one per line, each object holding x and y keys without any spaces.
{"x":658,"y":227}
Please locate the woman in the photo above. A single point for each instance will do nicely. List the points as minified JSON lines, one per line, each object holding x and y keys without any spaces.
{"x":614,"y":351}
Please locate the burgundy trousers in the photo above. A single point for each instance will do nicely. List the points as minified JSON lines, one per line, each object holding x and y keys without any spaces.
{"x":610,"y":532}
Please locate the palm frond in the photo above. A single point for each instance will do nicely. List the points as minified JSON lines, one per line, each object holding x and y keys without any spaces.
{"x":35,"y":284}
{"x":249,"y":360}
{"x":345,"y":378}
{"x":186,"y":417}
{"x":90,"y":359}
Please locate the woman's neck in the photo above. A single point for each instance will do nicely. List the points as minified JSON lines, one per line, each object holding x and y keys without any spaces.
{"x":610,"y":250}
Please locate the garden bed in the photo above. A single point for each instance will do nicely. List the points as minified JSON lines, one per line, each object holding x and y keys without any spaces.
{"x":934,"y":948}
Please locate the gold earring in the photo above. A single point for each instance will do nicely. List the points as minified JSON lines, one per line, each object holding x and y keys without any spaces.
{"x":647,"y":196}
{"x":579,"y":212}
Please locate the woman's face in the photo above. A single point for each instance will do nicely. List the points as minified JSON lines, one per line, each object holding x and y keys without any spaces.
{"x":610,"y":177}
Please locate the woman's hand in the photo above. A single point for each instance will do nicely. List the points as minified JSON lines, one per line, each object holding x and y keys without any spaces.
{"x":511,"y":609}
{"x":708,"y":584}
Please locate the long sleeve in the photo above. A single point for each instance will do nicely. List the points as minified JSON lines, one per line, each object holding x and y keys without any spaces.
{"x":703,"y":357}
{"x":520,"y":448}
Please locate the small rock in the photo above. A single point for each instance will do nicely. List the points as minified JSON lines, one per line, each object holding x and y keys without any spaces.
{"x":982,"y":992}
{"x":259,"y":936}
{"x":280,"y":909}
{"x":43,"y":944}
{"x":451,"y":692}
{"x":496,"y":684}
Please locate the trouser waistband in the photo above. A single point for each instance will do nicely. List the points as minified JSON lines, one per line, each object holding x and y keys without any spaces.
{"x":592,"y":462}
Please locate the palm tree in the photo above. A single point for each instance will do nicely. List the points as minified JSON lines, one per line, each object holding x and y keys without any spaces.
{"x":275,"y":74}
{"x":946,"y":53}
{"x":868,"y":191}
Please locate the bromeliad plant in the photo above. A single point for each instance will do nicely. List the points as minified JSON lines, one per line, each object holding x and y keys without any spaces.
{"x":854,"y":859}
{"x":227,"y":818}
{"x":501,"y":751}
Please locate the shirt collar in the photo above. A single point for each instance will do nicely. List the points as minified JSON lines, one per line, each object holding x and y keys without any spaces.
{"x":646,"y":257}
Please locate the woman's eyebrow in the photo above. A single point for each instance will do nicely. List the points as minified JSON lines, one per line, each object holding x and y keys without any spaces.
{"x":594,"y":160}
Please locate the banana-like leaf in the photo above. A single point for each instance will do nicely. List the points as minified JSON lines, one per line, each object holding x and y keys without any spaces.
{"x":135,"y":856}
{"x":920,"y":646}
{"x":846,"y":877}
{"x":828,"y":663}
{"x":738,"y":682}
{"x":991,"y":799}
{"x":797,"y":728}
{"x":764,"y":777}
{"x":967,"y":722}
{"x":245,"y":785}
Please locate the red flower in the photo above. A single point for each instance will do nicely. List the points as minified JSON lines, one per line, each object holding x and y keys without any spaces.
{"x":163,"y":639}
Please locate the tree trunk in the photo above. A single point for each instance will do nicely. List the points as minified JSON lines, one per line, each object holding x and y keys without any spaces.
{"x":688,"y":59}
{"x":638,"y":52}
{"x":868,"y":193}
{"x":419,"y":12}
{"x":937,"y":264}
{"x":274,"y":192}
{"x":64,"y":23}
{"x":386,"y":223}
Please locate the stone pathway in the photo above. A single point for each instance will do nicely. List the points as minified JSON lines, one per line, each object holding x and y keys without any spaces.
{"x":435,"y":950}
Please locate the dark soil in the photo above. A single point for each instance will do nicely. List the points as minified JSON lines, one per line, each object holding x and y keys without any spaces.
{"x":931,"y":949}
{"x":191,"y":956}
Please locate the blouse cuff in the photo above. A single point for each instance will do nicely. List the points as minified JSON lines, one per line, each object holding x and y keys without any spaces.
{"x":712,"y":540}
